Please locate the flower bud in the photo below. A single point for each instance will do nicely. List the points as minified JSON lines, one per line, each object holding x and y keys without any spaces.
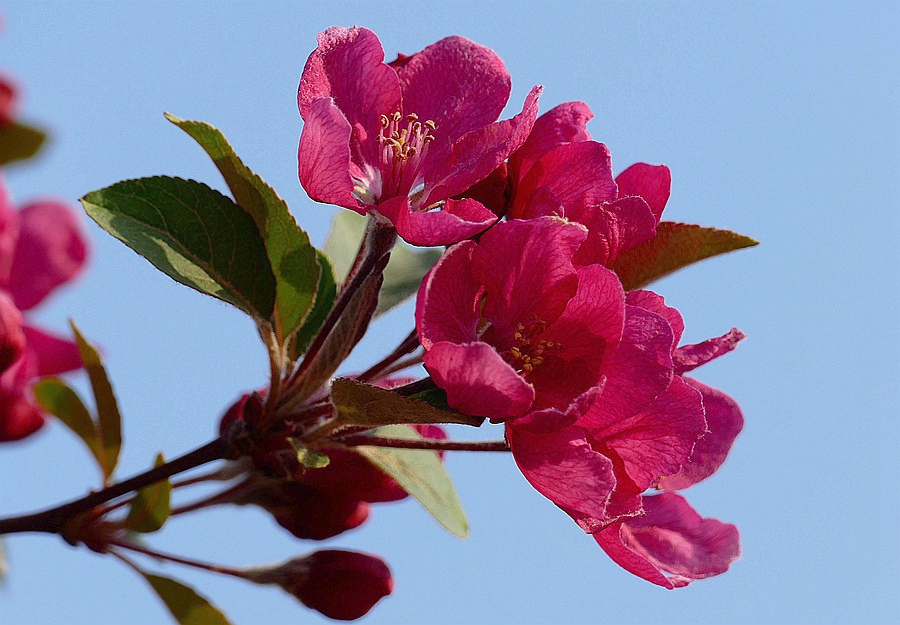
{"x":342,"y":585}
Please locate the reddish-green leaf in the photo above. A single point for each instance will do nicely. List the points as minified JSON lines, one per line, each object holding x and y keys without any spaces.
{"x":19,"y":142}
{"x":150,"y":509}
{"x":364,"y":404}
{"x":109,"y":421}
{"x":293,"y":259}
{"x":59,"y":399}
{"x":188,"y":607}
{"x":193,"y":234}
{"x":675,"y":246}
{"x":420,"y":473}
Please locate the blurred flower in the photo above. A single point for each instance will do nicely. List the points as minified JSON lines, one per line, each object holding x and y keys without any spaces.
{"x":402,"y":139}
{"x":41,"y":248}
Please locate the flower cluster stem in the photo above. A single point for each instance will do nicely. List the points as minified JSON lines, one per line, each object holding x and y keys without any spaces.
{"x":54,"y":519}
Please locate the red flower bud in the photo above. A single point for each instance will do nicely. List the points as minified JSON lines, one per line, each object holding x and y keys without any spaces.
{"x":342,"y":585}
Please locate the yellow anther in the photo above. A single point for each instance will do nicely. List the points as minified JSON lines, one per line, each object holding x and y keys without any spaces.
{"x":412,"y":117}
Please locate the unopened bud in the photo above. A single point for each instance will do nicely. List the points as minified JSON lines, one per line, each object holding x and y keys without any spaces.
{"x":342,"y":585}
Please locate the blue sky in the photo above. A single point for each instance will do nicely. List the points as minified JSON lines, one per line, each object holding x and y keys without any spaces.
{"x":778,"y":120}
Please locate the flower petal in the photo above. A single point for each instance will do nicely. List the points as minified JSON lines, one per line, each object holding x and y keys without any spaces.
{"x":724,"y":422}
{"x":324,"y":156}
{"x":655,"y":303}
{"x":447,"y":302}
{"x":671,"y":538}
{"x":476,"y":154}
{"x":565,"y":123}
{"x":455,"y":221}
{"x":562,"y":467}
{"x":348,"y":66}
{"x":526,"y":268}
{"x":657,"y":441}
{"x":651,"y":182}
{"x":50,"y":251}
{"x":456,"y":83}
{"x":12,"y":336}
{"x":579,"y":174}
{"x":638,"y":371}
{"x":52,"y":354}
{"x":614,"y":228}
{"x":478,"y":381}
{"x":689,"y":357}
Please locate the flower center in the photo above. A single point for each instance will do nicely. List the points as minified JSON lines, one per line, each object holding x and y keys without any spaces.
{"x":402,"y":152}
{"x":528,"y":351}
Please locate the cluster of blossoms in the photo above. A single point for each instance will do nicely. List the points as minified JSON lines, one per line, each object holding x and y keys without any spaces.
{"x":531,"y":316}
{"x":524,"y":320}
{"x":41,"y":248}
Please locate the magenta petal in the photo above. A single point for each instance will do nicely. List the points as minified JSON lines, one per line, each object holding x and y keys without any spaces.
{"x":724,"y":422}
{"x":53,"y":354}
{"x":324,"y":156}
{"x":9,"y":234}
{"x":447,"y":303}
{"x":655,"y":303}
{"x":456,"y":83}
{"x":690,"y":357}
{"x":478,"y":381}
{"x":671,"y":545}
{"x":50,"y":251}
{"x":614,"y":228}
{"x":455,"y":221}
{"x":12,"y":336}
{"x":476,"y":154}
{"x":348,"y":66}
{"x":639,"y":370}
{"x":659,"y":440}
{"x":18,"y":418}
{"x":562,"y":467}
{"x":651,"y":182}
{"x":527,"y":270}
{"x":565,"y":123}
{"x":579,"y":174}
{"x":590,"y":328}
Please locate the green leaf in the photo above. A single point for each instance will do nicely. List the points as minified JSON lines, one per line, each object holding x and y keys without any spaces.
{"x":309,"y":458}
{"x":19,"y":142}
{"x":109,"y":421}
{"x":403,"y":274}
{"x":364,"y":404}
{"x":420,"y":473}
{"x":292,"y":258}
{"x":193,"y":234}
{"x":150,"y":509}
{"x":57,"y":398}
{"x":675,"y":246}
{"x":184,"y":603}
{"x":324,"y":302}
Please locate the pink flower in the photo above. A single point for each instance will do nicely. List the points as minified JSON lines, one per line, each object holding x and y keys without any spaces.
{"x":402,"y":139}
{"x":510,"y":325}
{"x":671,"y":545}
{"x":41,"y":248}
{"x":560,"y":171}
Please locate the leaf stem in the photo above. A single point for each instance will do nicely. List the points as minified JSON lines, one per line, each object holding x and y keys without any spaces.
{"x":424,"y":443}
{"x":54,"y":519}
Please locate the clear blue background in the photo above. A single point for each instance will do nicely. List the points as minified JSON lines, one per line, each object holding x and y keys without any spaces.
{"x":778,"y":120}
